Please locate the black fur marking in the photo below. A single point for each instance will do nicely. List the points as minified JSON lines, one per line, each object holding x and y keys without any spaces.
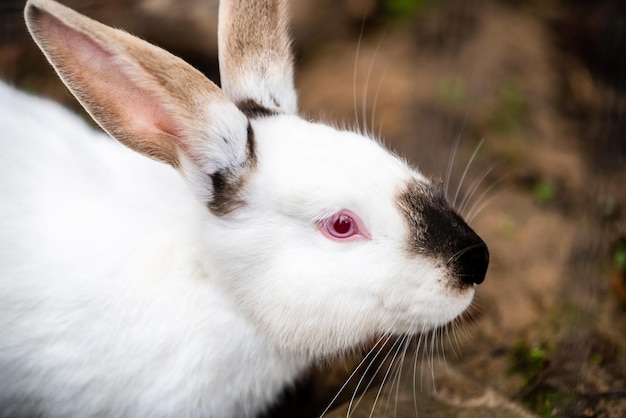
{"x":251,"y":146}
{"x":436,"y":230}
{"x":254,"y":110}
{"x":223,"y":202}
{"x":228,"y":182}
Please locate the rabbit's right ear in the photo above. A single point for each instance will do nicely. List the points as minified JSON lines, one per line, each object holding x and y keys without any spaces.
{"x":148,"y":99}
{"x":255,"y":56}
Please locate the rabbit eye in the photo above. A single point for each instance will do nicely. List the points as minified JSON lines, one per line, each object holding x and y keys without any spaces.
{"x":341,"y":226}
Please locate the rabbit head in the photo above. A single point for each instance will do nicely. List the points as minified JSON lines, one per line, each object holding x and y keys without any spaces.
{"x":322,"y":237}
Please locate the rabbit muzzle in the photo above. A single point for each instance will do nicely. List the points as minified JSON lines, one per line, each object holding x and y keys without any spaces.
{"x":437,"y":231}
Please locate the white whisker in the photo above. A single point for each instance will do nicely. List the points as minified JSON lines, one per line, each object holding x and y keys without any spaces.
{"x":376,"y":96}
{"x":399,"y":374}
{"x":380,"y":127}
{"x":442,"y":345}
{"x":452,"y":157}
{"x":471,"y":213}
{"x":417,"y":351}
{"x":467,"y":166}
{"x":460,"y":253}
{"x":354,"y":76}
{"x":456,"y":347}
{"x":468,"y":196}
{"x":363,"y":360}
{"x":396,"y":372}
{"x":367,"y":82}
{"x":431,"y":361}
{"x":400,"y":343}
{"x":475,"y":210}
{"x":356,"y":389}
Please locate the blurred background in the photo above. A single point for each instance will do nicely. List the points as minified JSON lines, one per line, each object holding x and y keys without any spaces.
{"x":520,"y":106}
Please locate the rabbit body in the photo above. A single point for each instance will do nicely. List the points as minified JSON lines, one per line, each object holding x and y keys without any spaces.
{"x":105,"y":285}
{"x":203,"y":286}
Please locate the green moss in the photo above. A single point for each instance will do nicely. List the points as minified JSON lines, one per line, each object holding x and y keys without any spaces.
{"x":607,"y":206}
{"x":507,"y":228}
{"x":596,"y":359}
{"x":547,"y":402}
{"x":451,"y":90}
{"x":404,"y":8}
{"x":529,"y":361}
{"x":544,"y":192}
{"x":619,"y":257}
{"x":511,"y":108}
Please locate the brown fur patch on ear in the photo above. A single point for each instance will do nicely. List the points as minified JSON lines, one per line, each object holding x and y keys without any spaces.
{"x":255,"y":57}
{"x":255,"y":33}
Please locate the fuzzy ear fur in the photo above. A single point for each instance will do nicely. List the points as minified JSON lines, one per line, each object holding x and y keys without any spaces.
{"x":255,"y":55}
{"x":148,"y":99}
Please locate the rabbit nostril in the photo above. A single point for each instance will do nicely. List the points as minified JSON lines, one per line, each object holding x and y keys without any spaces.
{"x":472,"y":264}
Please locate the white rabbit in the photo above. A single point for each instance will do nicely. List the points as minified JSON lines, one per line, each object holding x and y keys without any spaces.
{"x":130,"y":290}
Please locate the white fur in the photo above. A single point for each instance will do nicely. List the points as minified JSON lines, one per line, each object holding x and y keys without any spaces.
{"x":123,"y":295}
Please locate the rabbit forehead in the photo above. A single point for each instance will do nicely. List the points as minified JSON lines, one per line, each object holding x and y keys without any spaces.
{"x":308,"y":162}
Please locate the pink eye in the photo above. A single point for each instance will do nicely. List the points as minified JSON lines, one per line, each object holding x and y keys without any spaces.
{"x":341,"y":226}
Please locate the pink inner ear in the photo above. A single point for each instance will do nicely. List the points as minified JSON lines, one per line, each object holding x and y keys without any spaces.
{"x":109,"y":78}
{"x":108,"y":85}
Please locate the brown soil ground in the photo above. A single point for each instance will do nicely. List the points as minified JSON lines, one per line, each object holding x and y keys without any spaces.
{"x":536,"y":91}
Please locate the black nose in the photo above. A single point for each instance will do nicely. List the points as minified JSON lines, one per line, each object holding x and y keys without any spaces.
{"x":448,"y":237}
{"x":438,"y":231}
{"x":472,"y":262}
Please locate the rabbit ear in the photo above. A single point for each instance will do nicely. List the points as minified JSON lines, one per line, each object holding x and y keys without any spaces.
{"x":255,"y":56}
{"x":146,"y":98}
